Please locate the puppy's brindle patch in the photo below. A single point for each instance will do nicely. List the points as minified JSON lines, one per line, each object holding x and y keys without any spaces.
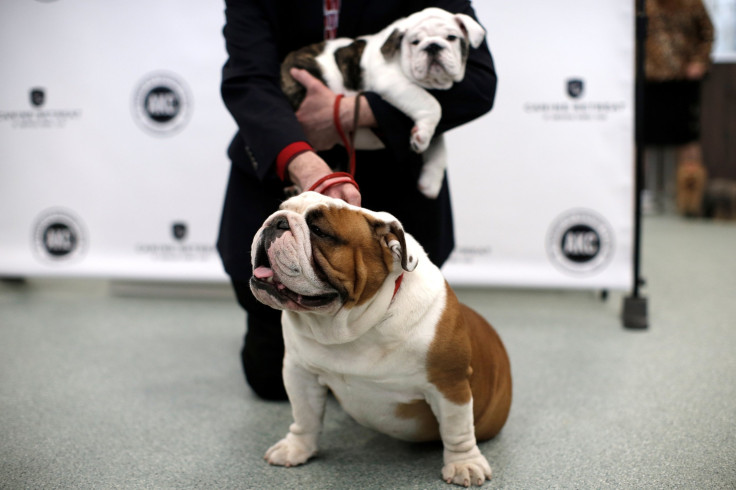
{"x":464,"y":49}
{"x":348,"y":61}
{"x":303,"y":58}
{"x":391,"y":46}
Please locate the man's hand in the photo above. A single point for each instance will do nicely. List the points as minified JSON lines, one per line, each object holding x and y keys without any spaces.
{"x":695,"y":70}
{"x":307,"y":168}
{"x":316,"y":113}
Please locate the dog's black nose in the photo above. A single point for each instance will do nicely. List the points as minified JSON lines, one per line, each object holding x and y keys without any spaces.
{"x":433,"y":48}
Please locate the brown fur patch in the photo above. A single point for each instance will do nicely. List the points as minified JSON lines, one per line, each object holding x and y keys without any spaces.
{"x":467,"y":358}
{"x":347,"y":59}
{"x":449,"y":356}
{"x":391,"y":46}
{"x":303,"y":58}
{"x":348,"y":248}
{"x":427,"y":427}
{"x":691,"y":178}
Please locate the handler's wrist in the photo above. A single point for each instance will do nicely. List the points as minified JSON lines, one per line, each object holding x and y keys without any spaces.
{"x":307,"y":167}
{"x":347,"y":113}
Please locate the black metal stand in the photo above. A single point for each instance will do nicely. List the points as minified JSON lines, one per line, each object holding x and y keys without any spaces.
{"x":635,"y":314}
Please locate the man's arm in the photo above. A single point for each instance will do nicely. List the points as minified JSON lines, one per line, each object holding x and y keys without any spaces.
{"x":251,"y":84}
{"x":252,"y":93}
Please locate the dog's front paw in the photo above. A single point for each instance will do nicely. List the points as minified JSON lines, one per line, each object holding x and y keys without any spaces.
{"x":292,"y":450}
{"x":420,"y":139}
{"x":472,"y":471}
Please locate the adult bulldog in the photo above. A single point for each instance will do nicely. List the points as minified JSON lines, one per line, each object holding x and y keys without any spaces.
{"x":426,"y":50}
{"x":368,"y":316}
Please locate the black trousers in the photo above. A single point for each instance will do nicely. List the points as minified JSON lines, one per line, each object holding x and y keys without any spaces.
{"x":263,"y":350}
{"x":672,"y":112}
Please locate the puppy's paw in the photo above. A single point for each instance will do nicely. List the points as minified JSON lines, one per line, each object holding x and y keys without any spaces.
{"x":466,"y":472}
{"x":420,"y":139}
{"x":430,"y":183}
{"x":290,"y":451}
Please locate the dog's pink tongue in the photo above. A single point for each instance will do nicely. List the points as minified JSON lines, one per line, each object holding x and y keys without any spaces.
{"x":263,"y":272}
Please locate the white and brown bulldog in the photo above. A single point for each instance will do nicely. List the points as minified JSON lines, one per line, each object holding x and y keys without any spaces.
{"x":426,"y":50}
{"x":368,"y":316}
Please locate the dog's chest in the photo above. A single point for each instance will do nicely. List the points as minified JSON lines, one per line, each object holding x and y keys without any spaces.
{"x":374,"y":383}
{"x":378,"y":402}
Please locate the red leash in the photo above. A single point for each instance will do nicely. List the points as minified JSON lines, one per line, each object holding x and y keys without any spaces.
{"x":347,"y":142}
{"x":331,"y":180}
{"x":337,"y":178}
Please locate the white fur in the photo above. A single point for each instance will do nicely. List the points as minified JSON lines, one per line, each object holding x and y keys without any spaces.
{"x":373,"y":357}
{"x":402,"y":80}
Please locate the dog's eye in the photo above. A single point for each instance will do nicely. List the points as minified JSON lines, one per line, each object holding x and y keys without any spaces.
{"x":451,"y":37}
{"x":318,"y":231}
{"x":415,"y":42}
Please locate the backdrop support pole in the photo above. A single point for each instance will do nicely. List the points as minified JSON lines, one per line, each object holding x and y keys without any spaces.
{"x":635,"y":313}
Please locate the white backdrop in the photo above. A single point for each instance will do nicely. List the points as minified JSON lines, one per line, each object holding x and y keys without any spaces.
{"x":113,"y":139}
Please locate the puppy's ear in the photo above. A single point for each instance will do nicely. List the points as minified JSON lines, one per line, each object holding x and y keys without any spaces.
{"x":473,"y":31}
{"x":392,"y":44}
{"x":396,"y":242}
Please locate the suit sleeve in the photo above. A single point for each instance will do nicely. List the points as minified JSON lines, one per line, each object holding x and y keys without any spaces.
{"x":465,"y":101}
{"x":251,"y":87}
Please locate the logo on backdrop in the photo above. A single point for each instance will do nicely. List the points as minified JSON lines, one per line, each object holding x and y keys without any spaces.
{"x":179,"y":230}
{"x":468,"y":255}
{"x":59,"y":236}
{"x":38,"y":97}
{"x":574,"y":104}
{"x":575,"y":88}
{"x":177,"y":248}
{"x":36,"y":116}
{"x":162,"y":104}
{"x":580,"y":241}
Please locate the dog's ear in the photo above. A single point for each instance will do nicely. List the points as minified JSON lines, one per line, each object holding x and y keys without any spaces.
{"x":396,"y":242}
{"x":473,"y":31}
{"x":389,"y":232}
{"x":392,"y":44}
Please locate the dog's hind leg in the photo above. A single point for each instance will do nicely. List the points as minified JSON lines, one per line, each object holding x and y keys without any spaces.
{"x":433,"y":169}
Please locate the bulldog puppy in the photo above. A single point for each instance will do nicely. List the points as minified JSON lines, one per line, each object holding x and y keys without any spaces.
{"x":427,"y":50}
{"x":368,"y":316}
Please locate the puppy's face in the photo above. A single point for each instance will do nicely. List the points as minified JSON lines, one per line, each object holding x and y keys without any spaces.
{"x":320,"y":254}
{"x":434,"y":46}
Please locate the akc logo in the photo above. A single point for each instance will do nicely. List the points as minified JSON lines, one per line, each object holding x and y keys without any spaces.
{"x":58,"y":236}
{"x":580,"y":241}
{"x":162,"y":104}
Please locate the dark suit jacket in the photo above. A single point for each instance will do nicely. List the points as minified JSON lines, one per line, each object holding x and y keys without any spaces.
{"x":258,"y":35}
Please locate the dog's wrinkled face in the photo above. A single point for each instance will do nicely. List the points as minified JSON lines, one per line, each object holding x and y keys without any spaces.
{"x":320,"y":254}
{"x":434,"y":46}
